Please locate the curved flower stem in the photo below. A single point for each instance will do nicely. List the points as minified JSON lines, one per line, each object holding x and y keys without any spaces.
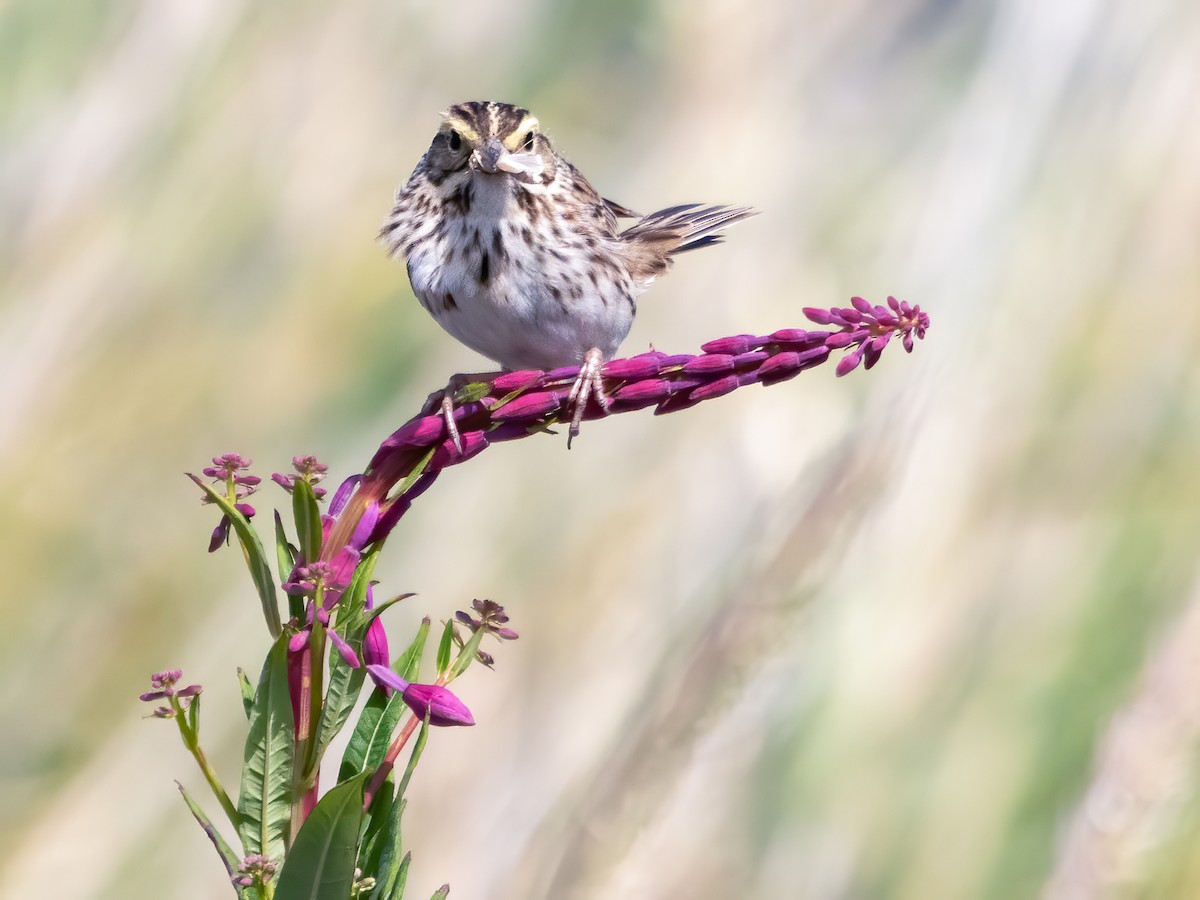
{"x":389,"y":761}
{"x":515,"y":405}
{"x":191,"y":740}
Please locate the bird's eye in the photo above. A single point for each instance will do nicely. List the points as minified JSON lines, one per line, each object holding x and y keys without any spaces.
{"x":529,"y":140}
{"x":455,"y":141}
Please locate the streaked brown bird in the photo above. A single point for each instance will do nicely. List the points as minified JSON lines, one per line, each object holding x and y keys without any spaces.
{"x":514,"y":253}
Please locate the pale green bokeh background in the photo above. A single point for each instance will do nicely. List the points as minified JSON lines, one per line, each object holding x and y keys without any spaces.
{"x":927,"y":631}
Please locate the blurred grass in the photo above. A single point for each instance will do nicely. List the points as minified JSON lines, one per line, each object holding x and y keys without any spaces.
{"x":913,"y":633}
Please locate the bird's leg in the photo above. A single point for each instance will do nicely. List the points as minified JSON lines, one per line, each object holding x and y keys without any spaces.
{"x":444,"y":400}
{"x":588,"y":383}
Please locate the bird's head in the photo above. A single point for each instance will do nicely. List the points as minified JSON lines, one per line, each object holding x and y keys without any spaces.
{"x":492,"y":138}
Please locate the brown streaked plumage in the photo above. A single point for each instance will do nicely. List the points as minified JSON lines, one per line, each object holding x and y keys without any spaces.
{"x":514,"y":253}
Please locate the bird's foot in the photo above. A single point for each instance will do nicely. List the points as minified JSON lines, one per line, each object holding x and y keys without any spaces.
{"x":588,"y":384}
{"x":446,"y":398}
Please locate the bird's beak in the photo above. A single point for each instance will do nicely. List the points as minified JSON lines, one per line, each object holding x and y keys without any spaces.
{"x":490,"y":156}
{"x":493,"y":158}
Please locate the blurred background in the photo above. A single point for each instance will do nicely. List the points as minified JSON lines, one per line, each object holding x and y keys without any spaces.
{"x":931,"y":630}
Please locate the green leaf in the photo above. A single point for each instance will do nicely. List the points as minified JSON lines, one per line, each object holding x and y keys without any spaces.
{"x":378,"y":817}
{"x":231,"y":860}
{"x":247,"y":690}
{"x":466,"y":655}
{"x":414,"y":758}
{"x":445,"y":647}
{"x":392,"y":873}
{"x":390,"y":601}
{"x":345,"y":684}
{"x":441,"y":893}
{"x":193,"y":716}
{"x":285,"y":553}
{"x":416,"y":472}
{"x":265,"y":803}
{"x":252,"y":550}
{"x":408,"y":664}
{"x":373,"y":732}
{"x":285,"y":561}
{"x":308,"y":520}
{"x":472,"y":391}
{"x":320,"y":865}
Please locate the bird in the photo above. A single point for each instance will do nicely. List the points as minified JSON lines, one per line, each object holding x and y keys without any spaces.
{"x":514,"y":253}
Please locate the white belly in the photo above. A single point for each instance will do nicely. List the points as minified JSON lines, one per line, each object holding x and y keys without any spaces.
{"x":526,"y":303}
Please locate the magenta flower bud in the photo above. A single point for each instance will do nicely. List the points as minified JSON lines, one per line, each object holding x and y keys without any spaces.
{"x":717,"y":388}
{"x":751,"y":359}
{"x":820,"y":316}
{"x":473,"y":442}
{"x":528,"y":406}
{"x":220,"y":534}
{"x":425,"y":700}
{"x":711,"y":364}
{"x":634,"y":367}
{"x":733,"y":346}
{"x":418,"y":433}
{"x":650,"y":391}
{"x":309,"y":467}
{"x":792,"y":335}
{"x":779,"y":367}
{"x":849,"y":362}
{"x":467,"y":410}
{"x":375,"y":643}
{"x":438,"y":704}
{"x":512,"y":381}
{"x":346,"y":651}
{"x":679,"y":359}
{"x":562,"y":372}
{"x":284,"y":481}
{"x":839,"y":339}
{"x":245,"y":509}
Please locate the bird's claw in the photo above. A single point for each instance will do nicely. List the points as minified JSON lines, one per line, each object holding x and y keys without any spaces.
{"x":588,"y":383}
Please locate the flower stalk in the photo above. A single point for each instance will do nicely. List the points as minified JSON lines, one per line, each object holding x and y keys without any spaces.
{"x":334,"y":639}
